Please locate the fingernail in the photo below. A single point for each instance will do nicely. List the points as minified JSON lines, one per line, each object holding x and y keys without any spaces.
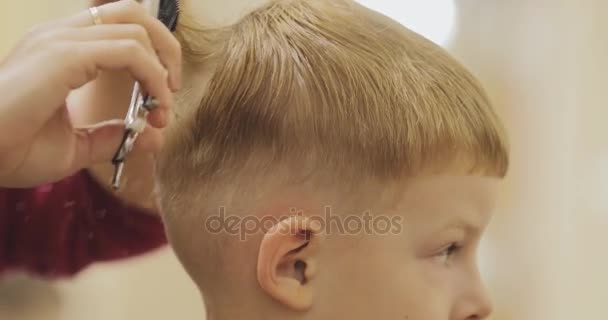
{"x":162,"y":120}
{"x":169,"y":80}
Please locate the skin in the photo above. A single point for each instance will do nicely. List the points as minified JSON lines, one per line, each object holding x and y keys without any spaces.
{"x":417,"y":274}
{"x":428,"y":271}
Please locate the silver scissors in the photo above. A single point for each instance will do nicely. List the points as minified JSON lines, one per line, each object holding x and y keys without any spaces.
{"x":135,"y":123}
{"x":141,"y":104}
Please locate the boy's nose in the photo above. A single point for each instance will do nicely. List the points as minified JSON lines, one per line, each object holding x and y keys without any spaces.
{"x":482,"y":306}
{"x":475,"y":302}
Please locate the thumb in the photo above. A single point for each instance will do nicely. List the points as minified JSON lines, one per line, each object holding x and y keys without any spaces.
{"x":98,"y":143}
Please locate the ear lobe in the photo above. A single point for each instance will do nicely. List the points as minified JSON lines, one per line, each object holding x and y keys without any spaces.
{"x":287,"y":261}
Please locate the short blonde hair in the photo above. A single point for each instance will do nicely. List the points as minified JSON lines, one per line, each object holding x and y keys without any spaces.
{"x":329,"y":86}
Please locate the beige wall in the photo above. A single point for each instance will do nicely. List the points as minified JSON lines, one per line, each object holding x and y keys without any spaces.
{"x":16,"y":17}
{"x":544,"y":63}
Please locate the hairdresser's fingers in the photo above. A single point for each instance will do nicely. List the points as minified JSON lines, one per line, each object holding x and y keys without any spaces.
{"x":131,"y":12}
{"x":159,"y":118}
{"x":108,"y":32}
{"x":40,"y":41}
{"x":117,"y":32}
{"x":97,"y":144}
{"x":118,"y":55}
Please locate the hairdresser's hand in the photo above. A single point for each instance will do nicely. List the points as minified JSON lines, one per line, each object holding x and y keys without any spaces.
{"x":38,"y":142}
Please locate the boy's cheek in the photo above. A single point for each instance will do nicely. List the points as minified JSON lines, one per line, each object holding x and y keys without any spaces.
{"x":386,"y":284}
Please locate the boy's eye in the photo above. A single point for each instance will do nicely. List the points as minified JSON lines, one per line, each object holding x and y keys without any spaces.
{"x":446,"y":253}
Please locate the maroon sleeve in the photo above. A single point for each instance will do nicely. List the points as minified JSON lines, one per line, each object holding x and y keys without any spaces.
{"x":57,"y":230}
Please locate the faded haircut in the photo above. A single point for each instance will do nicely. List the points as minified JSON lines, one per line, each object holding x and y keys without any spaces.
{"x":327,"y":91}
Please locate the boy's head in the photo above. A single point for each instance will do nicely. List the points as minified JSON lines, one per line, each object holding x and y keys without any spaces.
{"x":328,"y":163}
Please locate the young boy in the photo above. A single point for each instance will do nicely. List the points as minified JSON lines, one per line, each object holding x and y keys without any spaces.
{"x":309,"y":109}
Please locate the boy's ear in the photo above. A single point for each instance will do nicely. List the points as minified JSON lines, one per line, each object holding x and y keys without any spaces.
{"x":288,"y":259}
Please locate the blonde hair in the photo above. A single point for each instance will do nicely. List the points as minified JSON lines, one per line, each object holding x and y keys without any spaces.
{"x":319,"y":90}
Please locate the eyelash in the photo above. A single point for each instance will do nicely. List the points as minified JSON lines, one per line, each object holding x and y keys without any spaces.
{"x":449,"y":251}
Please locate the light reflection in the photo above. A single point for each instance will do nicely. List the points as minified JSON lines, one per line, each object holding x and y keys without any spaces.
{"x":434,"y":19}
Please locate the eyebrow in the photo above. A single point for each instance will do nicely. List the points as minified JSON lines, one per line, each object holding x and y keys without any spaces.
{"x":463,"y":224}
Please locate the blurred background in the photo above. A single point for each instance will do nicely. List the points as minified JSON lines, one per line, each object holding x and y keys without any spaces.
{"x":544,"y":62}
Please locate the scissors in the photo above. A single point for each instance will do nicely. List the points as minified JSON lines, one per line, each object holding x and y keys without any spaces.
{"x":141,"y":104}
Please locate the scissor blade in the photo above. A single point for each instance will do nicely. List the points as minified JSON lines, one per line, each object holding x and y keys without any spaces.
{"x":119,"y":159}
{"x":117,"y":175}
